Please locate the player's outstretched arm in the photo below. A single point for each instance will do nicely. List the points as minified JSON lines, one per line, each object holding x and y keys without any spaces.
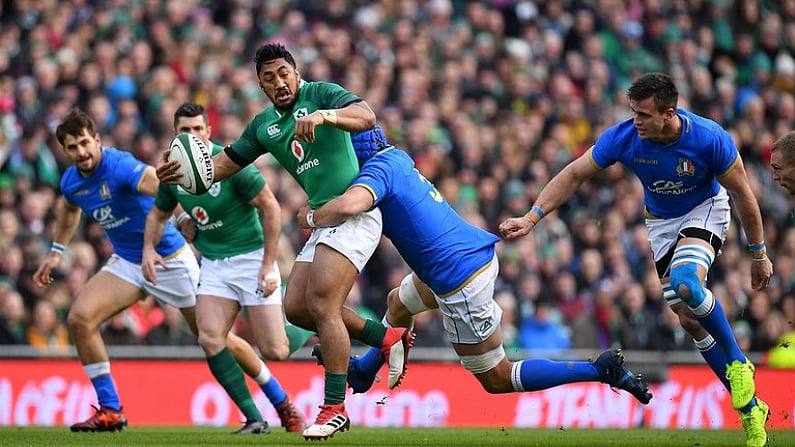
{"x":736,"y":182}
{"x":559,"y":189}
{"x":67,"y":218}
{"x":356,"y":200}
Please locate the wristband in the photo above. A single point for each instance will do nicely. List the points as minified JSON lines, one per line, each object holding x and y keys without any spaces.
{"x":329,"y":116}
{"x":57,"y":248}
{"x":182,"y":217}
{"x":763,"y":258}
{"x":534,"y":215}
{"x":758,"y":247}
{"x":310,"y":219}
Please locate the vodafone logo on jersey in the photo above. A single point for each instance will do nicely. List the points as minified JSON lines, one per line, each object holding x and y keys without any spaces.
{"x":297,"y":150}
{"x":200,"y":214}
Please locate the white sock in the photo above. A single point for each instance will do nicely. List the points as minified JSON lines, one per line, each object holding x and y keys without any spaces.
{"x":264,"y":375}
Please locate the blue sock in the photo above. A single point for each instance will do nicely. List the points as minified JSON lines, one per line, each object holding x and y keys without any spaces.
{"x":718,"y":326}
{"x":540,"y":374}
{"x":273,"y":391}
{"x":715,"y":358}
{"x":368,"y":363}
{"x":106,"y":392}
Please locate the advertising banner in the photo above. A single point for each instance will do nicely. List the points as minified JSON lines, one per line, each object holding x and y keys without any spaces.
{"x":162,"y":392}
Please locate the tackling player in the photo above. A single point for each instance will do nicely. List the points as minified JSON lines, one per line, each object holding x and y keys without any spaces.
{"x":454,"y":269}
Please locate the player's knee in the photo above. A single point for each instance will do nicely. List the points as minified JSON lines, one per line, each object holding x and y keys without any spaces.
{"x":275,"y":351}
{"x":396,"y":311}
{"x":79,"y":323}
{"x":213,"y":341}
{"x":408,"y":297}
{"x":686,"y":284}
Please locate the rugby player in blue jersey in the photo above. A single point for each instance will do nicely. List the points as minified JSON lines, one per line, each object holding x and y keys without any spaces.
{"x":117,"y":191}
{"x":454,"y":269}
{"x":686,"y":164}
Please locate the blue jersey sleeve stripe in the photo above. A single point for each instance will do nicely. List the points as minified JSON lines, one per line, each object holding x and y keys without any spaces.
{"x":732,"y":166}
{"x":141,"y":178}
{"x":593,"y":162}
{"x":368,"y":188}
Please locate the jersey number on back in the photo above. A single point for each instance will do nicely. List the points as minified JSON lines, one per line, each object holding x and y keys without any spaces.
{"x":434,"y":193}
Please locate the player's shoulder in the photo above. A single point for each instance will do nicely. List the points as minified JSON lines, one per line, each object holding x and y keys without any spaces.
{"x":389,"y":159}
{"x":620,"y":133}
{"x":699,"y":125}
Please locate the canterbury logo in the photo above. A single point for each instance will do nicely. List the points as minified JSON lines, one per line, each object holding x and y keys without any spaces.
{"x":274,"y":130}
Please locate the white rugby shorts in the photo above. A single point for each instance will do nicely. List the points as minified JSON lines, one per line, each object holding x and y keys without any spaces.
{"x":235,"y":278}
{"x":175,"y":286}
{"x":471,"y":315}
{"x":712,"y":214}
{"x":356,"y":238}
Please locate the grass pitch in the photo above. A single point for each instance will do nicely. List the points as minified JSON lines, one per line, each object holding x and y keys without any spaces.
{"x":386,"y":437}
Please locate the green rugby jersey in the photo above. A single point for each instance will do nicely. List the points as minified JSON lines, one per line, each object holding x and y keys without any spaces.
{"x":325,"y":168}
{"x":227,"y":224}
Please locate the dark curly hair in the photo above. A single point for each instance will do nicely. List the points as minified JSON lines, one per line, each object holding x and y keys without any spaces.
{"x":272,"y":51}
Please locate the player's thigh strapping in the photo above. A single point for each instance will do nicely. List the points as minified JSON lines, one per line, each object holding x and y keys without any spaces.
{"x":176,"y":285}
{"x":235,"y":278}
{"x":356,"y":238}
{"x":709,"y":221}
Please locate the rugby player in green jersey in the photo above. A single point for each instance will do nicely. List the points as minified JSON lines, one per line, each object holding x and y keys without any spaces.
{"x":307,"y":130}
{"x":235,"y":226}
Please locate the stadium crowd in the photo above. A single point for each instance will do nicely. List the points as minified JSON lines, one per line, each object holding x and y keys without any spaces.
{"x":491,"y":98}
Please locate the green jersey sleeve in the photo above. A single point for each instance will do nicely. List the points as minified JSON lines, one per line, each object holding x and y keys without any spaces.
{"x":248,"y":182}
{"x":165,"y":200}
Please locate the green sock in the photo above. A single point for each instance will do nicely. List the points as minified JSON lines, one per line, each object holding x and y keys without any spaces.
{"x":335,"y":388}
{"x":297,"y":336}
{"x":373,"y":333}
{"x":230,"y":376}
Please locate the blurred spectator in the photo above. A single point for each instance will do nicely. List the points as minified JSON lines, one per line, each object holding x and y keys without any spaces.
{"x":119,"y":330}
{"x":641,"y":323}
{"x":543,"y":331}
{"x":173,"y":330}
{"x":32,"y":159}
{"x":44,"y":329}
{"x":13,"y":319}
{"x":505,"y":95}
{"x":144,"y":315}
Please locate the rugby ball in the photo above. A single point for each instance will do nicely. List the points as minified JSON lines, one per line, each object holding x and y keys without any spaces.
{"x":195,"y":163}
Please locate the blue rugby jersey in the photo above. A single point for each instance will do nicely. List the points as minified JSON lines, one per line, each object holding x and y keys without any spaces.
{"x":110,"y":197}
{"x":679,"y":176}
{"x":441,"y":247}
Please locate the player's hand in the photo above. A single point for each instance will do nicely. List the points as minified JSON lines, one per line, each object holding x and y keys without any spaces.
{"x":301,"y":217}
{"x":761,"y":272}
{"x":42,"y":277}
{"x":149,"y":261}
{"x":515,"y":227}
{"x":167,"y":170}
{"x":188,"y":229}
{"x":305,"y":127}
{"x":268,"y":279}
